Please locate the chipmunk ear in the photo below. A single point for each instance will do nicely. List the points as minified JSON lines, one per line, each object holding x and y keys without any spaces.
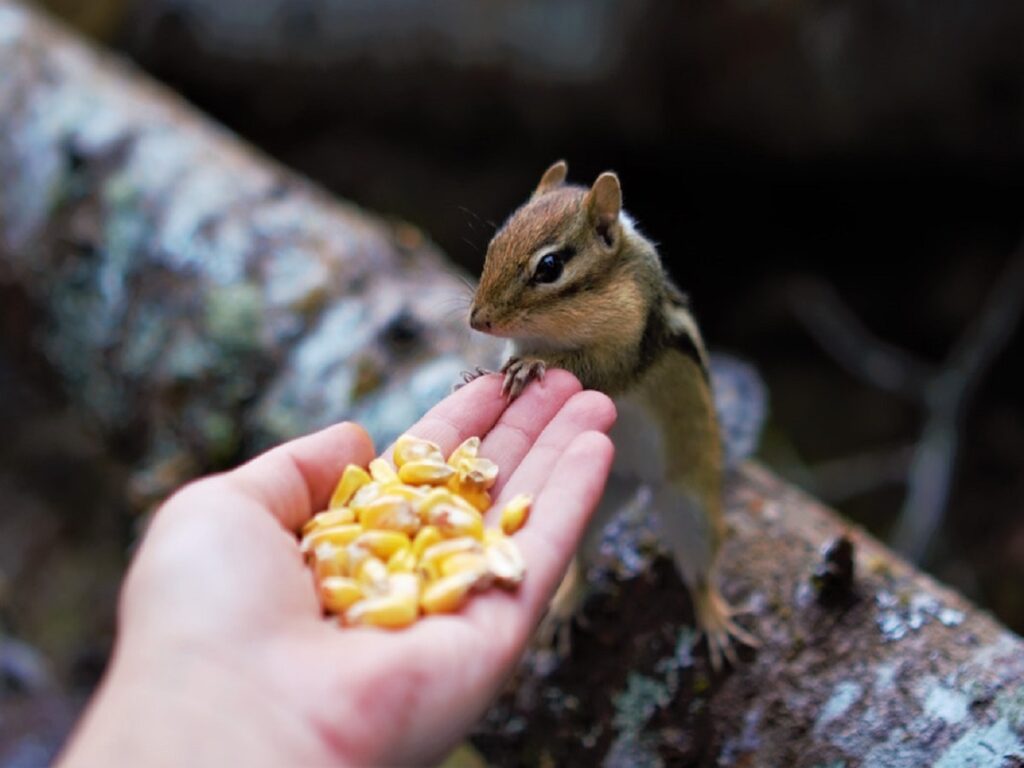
{"x":553,"y":177}
{"x":603,"y":204}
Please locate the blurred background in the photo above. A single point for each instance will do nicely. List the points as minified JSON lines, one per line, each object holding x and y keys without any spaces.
{"x":837,"y":184}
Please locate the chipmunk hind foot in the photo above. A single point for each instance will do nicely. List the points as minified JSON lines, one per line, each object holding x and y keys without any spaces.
{"x":555,"y":629}
{"x":714,"y":618}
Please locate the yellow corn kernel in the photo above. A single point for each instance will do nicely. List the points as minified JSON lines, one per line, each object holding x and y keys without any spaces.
{"x":329,"y":560}
{"x":406,"y":585}
{"x":464,"y":561}
{"x":355,"y":556}
{"x":407,"y":492}
{"x":339,"y":535}
{"x":515,"y":513}
{"x":365,"y":495}
{"x":504,"y":560}
{"x":372,"y":576}
{"x":479,"y":500}
{"x":391,"y":611}
{"x":479,"y":474}
{"x":439,"y":496}
{"x":454,"y":521}
{"x":329,"y":518}
{"x":427,"y":536}
{"x":337,"y":593}
{"x":352,"y":479}
{"x":467,"y":450}
{"x":382,"y":543}
{"x":448,"y":593}
{"x":425,"y":472}
{"x":402,"y":561}
{"x":436,"y":553}
{"x":382,"y":471}
{"x":409,"y":448}
{"x":391,"y":512}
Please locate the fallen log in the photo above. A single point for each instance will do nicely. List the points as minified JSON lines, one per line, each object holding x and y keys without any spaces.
{"x":198,"y":302}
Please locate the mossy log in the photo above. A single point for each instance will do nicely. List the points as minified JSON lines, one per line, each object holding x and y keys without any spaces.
{"x":198,"y":302}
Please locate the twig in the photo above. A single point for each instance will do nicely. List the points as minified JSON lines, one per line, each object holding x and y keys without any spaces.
{"x":947,"y":397}
{"x":945,"y":393}
{"x":841,"y":333}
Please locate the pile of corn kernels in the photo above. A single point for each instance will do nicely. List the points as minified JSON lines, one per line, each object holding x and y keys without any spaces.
{"x":399,"y":542}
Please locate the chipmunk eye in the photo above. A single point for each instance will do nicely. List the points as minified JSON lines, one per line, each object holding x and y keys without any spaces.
{"x":549,"y":268}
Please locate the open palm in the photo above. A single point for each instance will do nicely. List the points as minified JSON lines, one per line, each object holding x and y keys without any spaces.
{"x":219,"y":617}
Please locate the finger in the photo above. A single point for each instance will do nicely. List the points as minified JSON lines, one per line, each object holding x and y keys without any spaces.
{"x":471,"y":410}
{"x":584,"y":411}
{"x":525,"y":420}
{"x":296,"y":479}
{"x":550,"y":537}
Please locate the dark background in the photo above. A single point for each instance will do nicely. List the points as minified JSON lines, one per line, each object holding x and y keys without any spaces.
{"x":866,"y":152}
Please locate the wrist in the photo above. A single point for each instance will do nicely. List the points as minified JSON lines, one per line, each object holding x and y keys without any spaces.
{"x":187,"y":707}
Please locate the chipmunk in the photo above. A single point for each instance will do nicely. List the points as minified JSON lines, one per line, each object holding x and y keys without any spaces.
{"x":572,"y":284}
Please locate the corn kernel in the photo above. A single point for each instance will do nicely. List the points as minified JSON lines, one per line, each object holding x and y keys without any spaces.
{"x":355,"y":556}
{"x":373,"y":576}
{"x":409,"y":448}
{"x":329,"y":518}
{"x":402,"y":561}
{"x":438,"y":496}
{"x":425,"y":472}
{"x":515,"y":513}
{"x":464,"y":561}
{"x":427,"y":536}
{"x":479,"y":474}
{"x":365,"y":495}
{"x":388,"y":611}
{"x":405,"y":585}
{"x":454,"y":521}
{"x":479,"y":500}
{"x":504,"y":561}
{"x":392,"y":513}
{"x":337,"y":593}
{"x":408,"y":492}
{"x":449,"y":593}
{"x":339,"y":535}
{"x":352,"y":479}
{"x":383,"y":543}
{"x":382,"y":471}
{"x":329,"y":560}
{"x":436,"y":553}
{"x":467,"y":450}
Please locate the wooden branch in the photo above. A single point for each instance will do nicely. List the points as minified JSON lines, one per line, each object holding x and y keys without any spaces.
{"x":199,"y":302}
{"x":885,"y":669}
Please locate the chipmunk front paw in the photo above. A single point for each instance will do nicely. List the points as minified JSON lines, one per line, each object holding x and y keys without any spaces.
{"x":520,"y":371}
{"x":468,"y":376}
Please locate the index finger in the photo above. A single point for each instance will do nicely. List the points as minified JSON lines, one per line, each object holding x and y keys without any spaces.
{"x":295,"y":479}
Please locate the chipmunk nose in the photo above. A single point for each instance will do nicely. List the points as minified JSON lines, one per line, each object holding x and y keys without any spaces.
{"x":477,"y":322}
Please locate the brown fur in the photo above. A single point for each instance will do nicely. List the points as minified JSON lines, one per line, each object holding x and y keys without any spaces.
{"x":617,"y":322}
{"x":592,"y":324}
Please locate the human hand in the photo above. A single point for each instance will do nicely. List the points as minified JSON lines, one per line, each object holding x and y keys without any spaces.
{"x":223,"y":656}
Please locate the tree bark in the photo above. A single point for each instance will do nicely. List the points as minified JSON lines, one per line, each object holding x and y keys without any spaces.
{"x":198,"y":302}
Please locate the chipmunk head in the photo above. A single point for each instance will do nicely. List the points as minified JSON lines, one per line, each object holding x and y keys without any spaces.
{"x":554,"y":258}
